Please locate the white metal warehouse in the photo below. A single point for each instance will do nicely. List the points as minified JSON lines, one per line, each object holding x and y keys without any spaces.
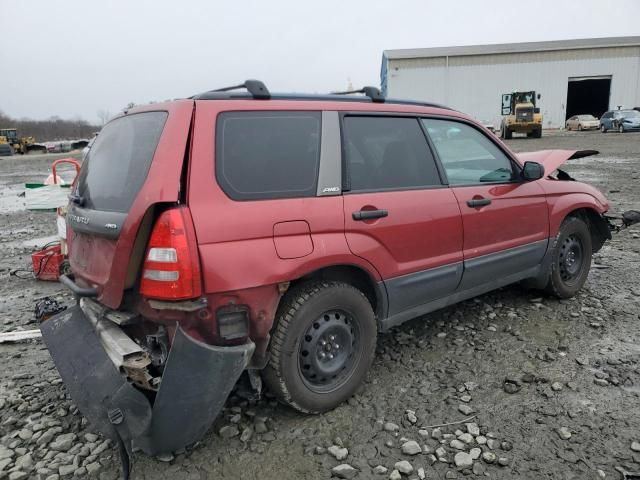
{"x":571,"y":76}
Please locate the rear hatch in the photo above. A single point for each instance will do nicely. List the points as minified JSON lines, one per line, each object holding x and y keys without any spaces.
{"x":135,"y":164}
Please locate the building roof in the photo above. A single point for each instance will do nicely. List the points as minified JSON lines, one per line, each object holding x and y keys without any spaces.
{"x":499,"y":48}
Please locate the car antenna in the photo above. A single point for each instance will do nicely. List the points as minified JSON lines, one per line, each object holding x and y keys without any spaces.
{"x":373,"y":93}
{"x":256,"y":88}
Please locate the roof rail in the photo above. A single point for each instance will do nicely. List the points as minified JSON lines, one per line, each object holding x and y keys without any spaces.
{"x":256,"y":88}
{"x":372,"y":92}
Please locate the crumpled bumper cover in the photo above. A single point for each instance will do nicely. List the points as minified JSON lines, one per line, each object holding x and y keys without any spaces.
{"x":196,"y":382}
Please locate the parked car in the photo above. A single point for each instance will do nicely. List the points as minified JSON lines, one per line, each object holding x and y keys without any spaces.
{"x":280,"y":234}
{"x":620,"y":120}
{"x":582,"y":122}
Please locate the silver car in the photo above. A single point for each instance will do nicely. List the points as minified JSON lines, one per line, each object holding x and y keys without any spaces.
{"x":583,"y":122}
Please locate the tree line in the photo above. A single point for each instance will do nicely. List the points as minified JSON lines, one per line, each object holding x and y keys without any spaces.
{"x":54,"y":128}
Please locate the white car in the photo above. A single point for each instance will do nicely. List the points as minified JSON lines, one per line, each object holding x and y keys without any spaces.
{"x":583,"y":122}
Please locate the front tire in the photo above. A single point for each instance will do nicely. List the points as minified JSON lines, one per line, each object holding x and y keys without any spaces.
{"x":620,"y":129}
{"x":322,"y":345}
{"x":570,"y":258}
{"x":603,"y":129}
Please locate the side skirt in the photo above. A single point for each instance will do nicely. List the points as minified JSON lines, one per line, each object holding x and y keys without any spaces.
{"x":456,"y":297}
{"x":529,"y":262}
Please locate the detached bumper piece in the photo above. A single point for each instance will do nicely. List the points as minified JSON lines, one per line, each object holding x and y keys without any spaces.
{"x":196,"y":382}
{"x":628,"y":218}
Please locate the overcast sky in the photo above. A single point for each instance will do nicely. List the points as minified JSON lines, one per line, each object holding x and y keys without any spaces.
{"x":74,"y":57}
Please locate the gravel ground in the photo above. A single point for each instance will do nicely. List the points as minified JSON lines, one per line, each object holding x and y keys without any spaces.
{"x":548,"y":388}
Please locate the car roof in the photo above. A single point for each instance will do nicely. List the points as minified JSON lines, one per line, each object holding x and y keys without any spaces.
{"x":257,"y":96}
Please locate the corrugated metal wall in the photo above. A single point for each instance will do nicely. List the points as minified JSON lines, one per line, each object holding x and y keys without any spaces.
{"x":474,"y":84}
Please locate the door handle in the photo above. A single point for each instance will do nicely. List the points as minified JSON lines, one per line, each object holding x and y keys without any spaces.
{"x":478,"y":202}
{"x":369,"y":214}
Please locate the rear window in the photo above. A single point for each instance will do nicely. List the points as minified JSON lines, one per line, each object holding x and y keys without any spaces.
{"x":118,"y":162}
{"x":262,"y":155}
{"x":387,"y":153}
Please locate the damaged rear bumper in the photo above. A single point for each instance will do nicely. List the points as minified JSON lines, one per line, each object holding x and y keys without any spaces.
{"x":196,"y":381}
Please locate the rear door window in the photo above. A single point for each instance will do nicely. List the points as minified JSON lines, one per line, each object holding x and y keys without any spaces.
{"x":387,"y":153}
{"x":117,"y":164}
{"x":263,"y":155}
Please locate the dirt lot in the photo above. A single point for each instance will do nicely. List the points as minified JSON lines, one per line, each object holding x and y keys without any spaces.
{"x":569,"y":408}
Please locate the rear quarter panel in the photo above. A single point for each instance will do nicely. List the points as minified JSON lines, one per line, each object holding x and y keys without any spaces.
{"x":236,"y":238}
{"x":104,"y":263}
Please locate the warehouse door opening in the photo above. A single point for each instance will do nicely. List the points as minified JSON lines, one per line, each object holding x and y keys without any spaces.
{"x":588,"y":95}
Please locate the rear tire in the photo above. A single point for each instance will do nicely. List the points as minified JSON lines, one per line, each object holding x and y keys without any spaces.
{"x":603,"y":129}
{"x":570,"y":258}
{"x":620,"y":129}
{"x":322,"y":346}
{"x":579,"y":127}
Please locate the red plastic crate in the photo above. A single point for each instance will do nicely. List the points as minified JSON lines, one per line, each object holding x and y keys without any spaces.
{"x":47,"y":263}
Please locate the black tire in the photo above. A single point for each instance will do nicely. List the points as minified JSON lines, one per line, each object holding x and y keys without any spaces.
{"x":537,"y":133}
{"x":507,"y":133}
{"x":307,"y":314}
{"x":603,"y":129}
{"x":570,"y":258}
{"x":620,"y":128}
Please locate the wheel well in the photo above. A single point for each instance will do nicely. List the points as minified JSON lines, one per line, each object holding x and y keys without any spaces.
{"x":598,"y":226}
{"x":352,"y":275}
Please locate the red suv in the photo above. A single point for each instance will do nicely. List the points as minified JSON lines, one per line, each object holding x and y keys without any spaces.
{"x":279,"y":234}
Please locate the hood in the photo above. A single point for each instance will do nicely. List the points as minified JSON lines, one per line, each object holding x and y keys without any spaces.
{"x":552,"y":159}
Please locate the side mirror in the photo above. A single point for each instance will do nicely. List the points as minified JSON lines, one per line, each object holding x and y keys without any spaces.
{"x":532,"y":171}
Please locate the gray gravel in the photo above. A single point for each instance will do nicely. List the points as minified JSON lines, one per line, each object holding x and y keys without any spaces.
{"x":572,"y":368}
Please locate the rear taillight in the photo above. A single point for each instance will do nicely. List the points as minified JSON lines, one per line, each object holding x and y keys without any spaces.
{"x":171,"y":269}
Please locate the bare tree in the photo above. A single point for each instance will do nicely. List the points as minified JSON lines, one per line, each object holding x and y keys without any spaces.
{"x":103,"y":115}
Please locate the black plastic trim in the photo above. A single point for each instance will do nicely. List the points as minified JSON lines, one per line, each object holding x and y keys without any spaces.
{"x":77,"y":290}
{"x":95,"y":222}
{"x":369,"y":214}
{"x":479,"y":270}
{"x":419,"y":293}
{"x":417,"y":288}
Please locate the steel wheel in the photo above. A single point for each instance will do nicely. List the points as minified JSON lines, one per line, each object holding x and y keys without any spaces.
{"x":322,"y":345}
{"x":571,"y":259}
{"x":326,"y":355}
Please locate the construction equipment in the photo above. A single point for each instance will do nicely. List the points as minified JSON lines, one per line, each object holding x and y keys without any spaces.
{"x":520,"y":115}
{"x":9,"y":136}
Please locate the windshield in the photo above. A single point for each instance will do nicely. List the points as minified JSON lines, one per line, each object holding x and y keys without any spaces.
{"x":586,"y":117}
